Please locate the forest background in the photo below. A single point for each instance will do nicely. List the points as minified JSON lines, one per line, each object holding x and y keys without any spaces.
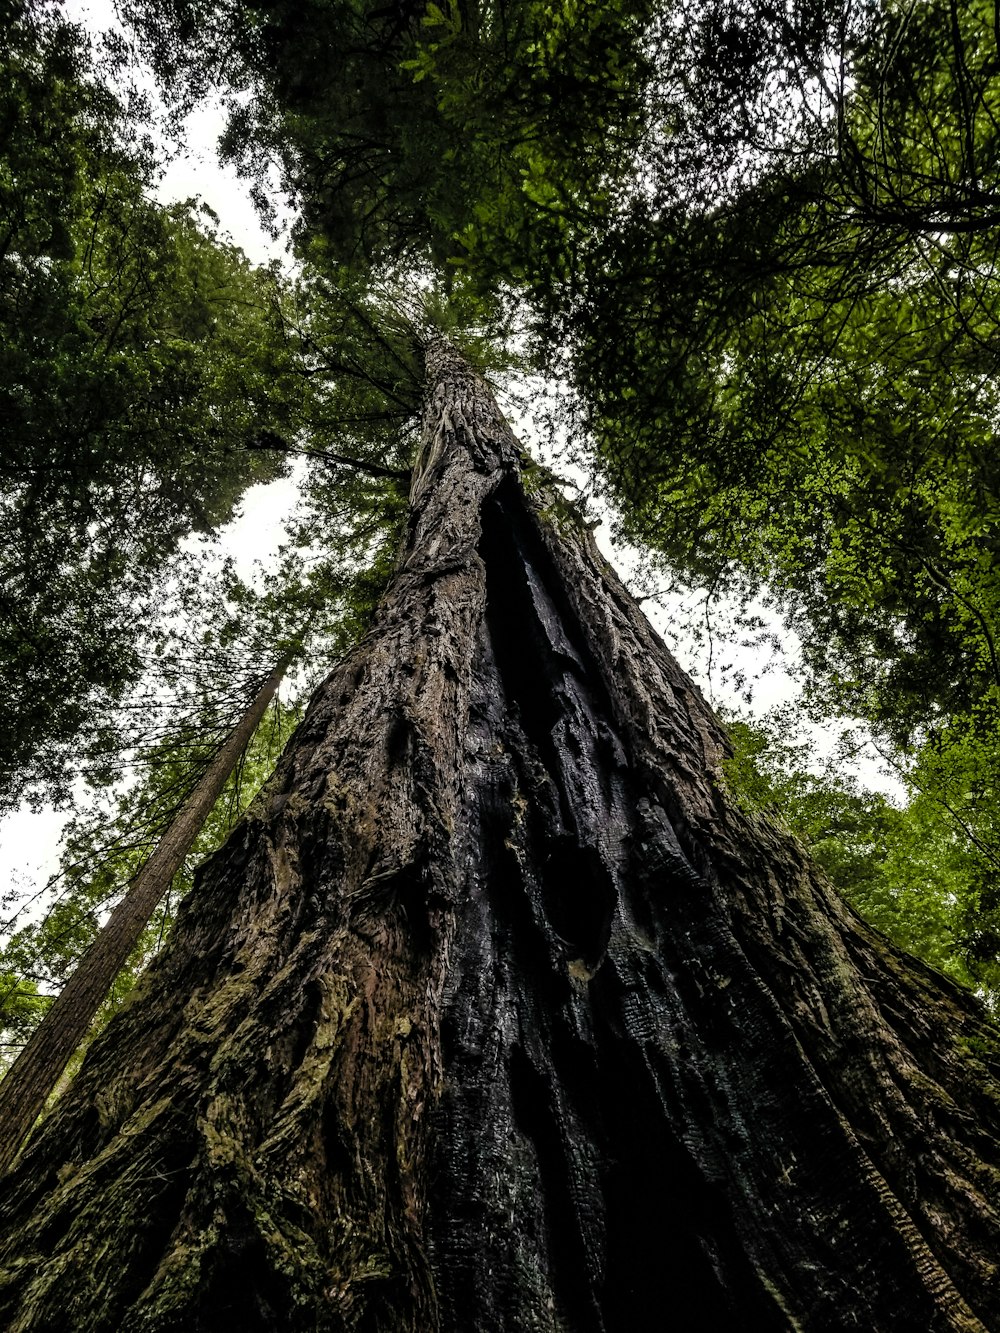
{"x":803,"y":413}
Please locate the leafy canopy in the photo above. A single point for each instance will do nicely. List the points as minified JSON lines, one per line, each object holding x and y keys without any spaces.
{"x":139,"y":355}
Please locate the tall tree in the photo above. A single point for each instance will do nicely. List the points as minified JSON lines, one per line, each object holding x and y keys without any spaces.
{"x":497,"y":1012}
{"x":760,"y":240}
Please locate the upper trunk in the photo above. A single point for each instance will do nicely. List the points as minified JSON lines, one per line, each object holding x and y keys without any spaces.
{"x":496,"y":1013}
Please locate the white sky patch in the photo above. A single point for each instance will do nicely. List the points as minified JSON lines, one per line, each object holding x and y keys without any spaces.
{"x":259,"y":527}
{"x":196,"y":172}
{"x":192,"y":168}
{"x":28,"y":843}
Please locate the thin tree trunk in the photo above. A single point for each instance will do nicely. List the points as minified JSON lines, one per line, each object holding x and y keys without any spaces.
{"x":497,"y":1013}
{"x":34,"y":1075}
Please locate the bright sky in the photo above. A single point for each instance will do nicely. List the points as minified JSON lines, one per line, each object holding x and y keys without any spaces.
{"x":195,"y":170}
{"x":29,"y":842}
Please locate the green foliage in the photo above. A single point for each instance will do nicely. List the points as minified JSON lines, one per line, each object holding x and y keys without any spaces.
{"x":468,"y":134}
{"x":138,"y":356}
{"x":22,"y":1007}
{"x":957,"y":772}
{"x":911,"y":872}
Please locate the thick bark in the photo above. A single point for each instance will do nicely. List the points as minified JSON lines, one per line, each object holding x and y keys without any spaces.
{"x":497,"y":1013}
{"x":36,"y":1072}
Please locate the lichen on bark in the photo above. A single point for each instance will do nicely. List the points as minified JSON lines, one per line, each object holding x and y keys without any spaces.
{"x":497,"y":1013}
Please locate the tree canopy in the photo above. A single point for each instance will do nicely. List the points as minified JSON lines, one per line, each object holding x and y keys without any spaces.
{"x":139,"y":355}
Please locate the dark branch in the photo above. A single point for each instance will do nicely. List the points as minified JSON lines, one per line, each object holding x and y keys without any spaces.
{"x":274,"y":444}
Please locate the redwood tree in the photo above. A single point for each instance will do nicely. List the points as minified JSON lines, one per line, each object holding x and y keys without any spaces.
{"x":498,"y":1013}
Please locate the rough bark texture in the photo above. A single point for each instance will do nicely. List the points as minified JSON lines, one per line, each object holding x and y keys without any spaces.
{"x":498,"y":1014}
{"x":36,"y":1072}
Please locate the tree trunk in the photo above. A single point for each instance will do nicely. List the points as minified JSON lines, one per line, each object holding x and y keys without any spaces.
{"x":497,"y":1013}
{"x":35,"y":1073}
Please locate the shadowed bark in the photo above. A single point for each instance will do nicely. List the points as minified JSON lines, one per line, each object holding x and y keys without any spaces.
{"x":497,"y":1013}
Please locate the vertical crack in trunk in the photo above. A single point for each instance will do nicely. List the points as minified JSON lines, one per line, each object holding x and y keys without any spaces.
{"x":496,"y":1014}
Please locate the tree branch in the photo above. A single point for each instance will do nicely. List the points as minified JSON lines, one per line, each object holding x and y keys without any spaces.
{"x":276,"y":445}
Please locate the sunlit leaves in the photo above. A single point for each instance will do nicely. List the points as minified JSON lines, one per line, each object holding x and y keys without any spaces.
{"x":911,"y":871}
